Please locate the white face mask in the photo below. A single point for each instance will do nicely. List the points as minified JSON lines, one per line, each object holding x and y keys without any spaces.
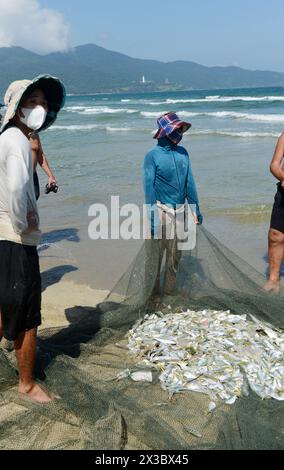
{"x":33,"y":117}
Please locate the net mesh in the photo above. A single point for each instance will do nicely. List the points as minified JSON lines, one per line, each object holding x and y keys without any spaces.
{"x":81,"y":363}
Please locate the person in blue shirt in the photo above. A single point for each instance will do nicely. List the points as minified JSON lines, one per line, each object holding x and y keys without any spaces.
{"x":168,"y":184}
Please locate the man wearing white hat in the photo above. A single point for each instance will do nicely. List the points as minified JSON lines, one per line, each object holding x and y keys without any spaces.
{"x":32,"y":105}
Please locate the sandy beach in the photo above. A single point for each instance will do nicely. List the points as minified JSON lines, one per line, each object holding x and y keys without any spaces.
{"x":80,"y":361}
{"x":57,"y":299}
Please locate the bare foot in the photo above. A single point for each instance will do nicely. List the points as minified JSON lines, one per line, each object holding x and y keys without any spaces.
{"x":272,"y":286}
{"x":37,"y":393}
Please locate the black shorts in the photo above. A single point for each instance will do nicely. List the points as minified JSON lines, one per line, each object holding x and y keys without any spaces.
{"x":20,"y":288}
{"x":36,"y":185}
{"x":277,"y":216}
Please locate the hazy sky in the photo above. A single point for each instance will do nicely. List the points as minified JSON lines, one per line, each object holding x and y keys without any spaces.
{"x":247,"y":33}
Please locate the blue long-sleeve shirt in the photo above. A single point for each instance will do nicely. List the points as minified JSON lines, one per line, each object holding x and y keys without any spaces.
{"x":168,"y":177}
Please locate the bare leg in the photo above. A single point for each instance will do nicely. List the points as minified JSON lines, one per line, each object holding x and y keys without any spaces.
{"x":276,"y":255}
{"x":25,"y":347}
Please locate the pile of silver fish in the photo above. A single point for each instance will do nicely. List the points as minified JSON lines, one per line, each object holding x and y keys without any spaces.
{"x":213,"y":352}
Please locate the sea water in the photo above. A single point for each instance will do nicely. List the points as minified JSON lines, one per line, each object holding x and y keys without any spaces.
{"x":96,"y":150}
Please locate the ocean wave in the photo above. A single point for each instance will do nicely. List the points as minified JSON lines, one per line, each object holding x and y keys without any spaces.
{"x":99,"y":110}
{"x":236,"y":115}
{"x":118,"y":129}
{"x":218,"y":99}
{"x":79,"y":127}
{"x":193,"y":132}
{"x":74,"y":108}
{"x":155,"y":103}
{"x":89,"y":127}
{"x":251,"y":98}
{"x":249,"y":117}
{"x":244,"y":135}
{"x":154,"y":114}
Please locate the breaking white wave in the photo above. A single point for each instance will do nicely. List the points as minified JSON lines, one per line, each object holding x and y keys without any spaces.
{"x":98,"y":110}
{"x":213,"y":97}
{"x":74,"y":108}
{"x":184,"y":101}
{"x":219,"y":99}
{"x":90,"y":127}
{"x":150,"y":114}
{"x":86,"y":127}
{"x":118,"y":129}
{"x":249,"y":117}
{"x":251,"y":98}
{"x":236,"y":115}
{"x":244,"y":135}
{"x":193,"y":132}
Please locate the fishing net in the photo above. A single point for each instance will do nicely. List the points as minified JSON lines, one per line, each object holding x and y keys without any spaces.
{"x":83,"y":362}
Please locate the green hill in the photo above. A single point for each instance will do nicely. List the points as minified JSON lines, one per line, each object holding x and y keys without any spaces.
{"x":92,"y":69}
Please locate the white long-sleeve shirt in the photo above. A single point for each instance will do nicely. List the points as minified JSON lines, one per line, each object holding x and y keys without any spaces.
{"x":17,"y":195}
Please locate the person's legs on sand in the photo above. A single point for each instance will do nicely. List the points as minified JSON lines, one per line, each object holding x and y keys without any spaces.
{"x":276,"y":255}
{"x":25,"y":348}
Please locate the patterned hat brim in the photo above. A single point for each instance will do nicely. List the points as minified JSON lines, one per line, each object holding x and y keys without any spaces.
{"x":173,"y":127}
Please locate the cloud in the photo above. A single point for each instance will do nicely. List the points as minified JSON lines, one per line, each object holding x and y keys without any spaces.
{"x":25,"y":23}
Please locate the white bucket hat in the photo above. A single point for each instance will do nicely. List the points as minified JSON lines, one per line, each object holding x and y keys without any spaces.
{"x":54,"y":92}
